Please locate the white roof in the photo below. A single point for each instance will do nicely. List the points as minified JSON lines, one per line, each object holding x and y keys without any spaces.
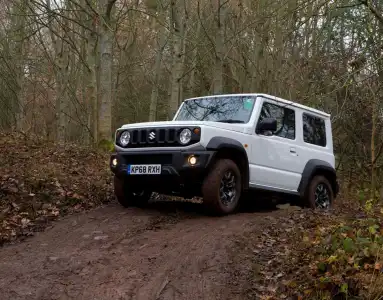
{"x":287,"y":102}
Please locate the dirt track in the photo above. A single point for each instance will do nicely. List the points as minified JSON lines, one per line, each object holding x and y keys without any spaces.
{"x":166,"y":251}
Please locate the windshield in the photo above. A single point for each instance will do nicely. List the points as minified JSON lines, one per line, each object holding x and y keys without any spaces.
{"x":227,"y":109}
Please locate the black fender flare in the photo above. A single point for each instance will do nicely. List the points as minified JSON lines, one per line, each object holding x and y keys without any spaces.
{"x":312,"y":166}
{"x":218,"y":143}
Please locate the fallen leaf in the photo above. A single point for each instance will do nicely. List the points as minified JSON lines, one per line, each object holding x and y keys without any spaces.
{"x":308,"y":292}
{"x":332,"y":259}
{"x":25,"y":222}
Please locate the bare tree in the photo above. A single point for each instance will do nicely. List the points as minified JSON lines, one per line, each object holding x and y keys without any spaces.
{"x":106,"y":56}
{"x":178,"y":31}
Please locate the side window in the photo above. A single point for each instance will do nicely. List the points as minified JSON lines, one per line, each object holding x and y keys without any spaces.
{"x":285,"y":119}
{"x":314,"y":130}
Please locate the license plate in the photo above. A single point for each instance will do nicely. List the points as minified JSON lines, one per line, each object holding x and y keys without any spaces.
{"x":144,"y":169}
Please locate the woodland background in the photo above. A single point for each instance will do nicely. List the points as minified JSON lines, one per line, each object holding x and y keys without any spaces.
{"x":75,"y":70}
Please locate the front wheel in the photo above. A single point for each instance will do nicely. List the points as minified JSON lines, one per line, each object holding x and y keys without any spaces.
{"x":128,"y":197}
{"x":319,"y":193}
{"x":222,"y":187}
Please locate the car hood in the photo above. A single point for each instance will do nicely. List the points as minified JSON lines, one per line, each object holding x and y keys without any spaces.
{"x":225,"y":126}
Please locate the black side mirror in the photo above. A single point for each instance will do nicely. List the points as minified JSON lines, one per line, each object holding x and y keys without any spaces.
{"x":267,"y":124}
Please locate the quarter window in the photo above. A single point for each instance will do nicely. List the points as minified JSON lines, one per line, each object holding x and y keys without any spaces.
{"x":314,"y":130}
{"x":285,"y":119}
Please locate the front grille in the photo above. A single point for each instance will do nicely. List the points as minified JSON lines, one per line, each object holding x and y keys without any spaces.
{"x":163,"y":159}
{"x":156,"y":137}
{"x":150,"y":137}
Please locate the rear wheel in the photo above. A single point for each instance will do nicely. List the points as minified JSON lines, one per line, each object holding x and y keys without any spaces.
{"x":127,"y":196}
{"x":319,"y":193}
{"x":222,"y":187}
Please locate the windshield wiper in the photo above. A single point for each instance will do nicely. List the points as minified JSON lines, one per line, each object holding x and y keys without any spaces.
{"x":231,"y":121}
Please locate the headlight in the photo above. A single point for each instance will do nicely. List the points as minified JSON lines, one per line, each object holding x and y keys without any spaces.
{"x":124,"y":138}
{"x":185,"y":136}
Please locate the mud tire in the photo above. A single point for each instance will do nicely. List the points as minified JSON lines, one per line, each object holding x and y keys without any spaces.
{"x":212,"y":185}
{"x":310,"y":197}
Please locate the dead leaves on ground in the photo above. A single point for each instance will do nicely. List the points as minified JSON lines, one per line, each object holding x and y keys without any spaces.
{"x":314,"y":255}
{"x":41,"y":181}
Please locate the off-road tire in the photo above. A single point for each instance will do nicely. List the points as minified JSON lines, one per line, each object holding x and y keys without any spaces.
{"x":309,"y":197}
{"x":127,"y":197}
{"x":212,"y":183}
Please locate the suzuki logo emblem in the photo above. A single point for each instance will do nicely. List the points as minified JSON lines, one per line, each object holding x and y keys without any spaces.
{"x":152,"y":135}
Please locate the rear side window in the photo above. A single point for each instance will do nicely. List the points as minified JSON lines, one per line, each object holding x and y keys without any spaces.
{"x":314,"y":130}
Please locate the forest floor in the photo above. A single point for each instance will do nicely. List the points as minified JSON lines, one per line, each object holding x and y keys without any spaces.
{"x":64,"y":237}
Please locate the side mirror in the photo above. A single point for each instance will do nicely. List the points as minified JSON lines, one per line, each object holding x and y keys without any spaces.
{"x":267,"y":124}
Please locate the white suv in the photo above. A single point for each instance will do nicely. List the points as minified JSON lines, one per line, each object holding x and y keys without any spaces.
{"x":220,"y":147}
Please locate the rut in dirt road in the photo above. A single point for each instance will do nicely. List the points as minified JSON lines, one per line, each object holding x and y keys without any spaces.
{"x":115,"y":253}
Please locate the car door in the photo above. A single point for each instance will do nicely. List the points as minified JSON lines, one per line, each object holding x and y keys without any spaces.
{"x":275,"y":163}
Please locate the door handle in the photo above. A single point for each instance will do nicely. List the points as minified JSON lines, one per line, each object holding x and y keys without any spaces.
{"x":293,"y":151}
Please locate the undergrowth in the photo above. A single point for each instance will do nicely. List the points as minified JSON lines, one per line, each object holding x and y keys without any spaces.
{"x":305,"y":254}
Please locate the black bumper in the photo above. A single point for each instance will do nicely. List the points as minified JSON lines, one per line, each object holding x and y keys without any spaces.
{"x":176,"y":172}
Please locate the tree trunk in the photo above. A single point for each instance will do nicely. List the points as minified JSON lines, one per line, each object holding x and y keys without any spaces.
{"x":219,"y":48}
{"x":106,"y":49}
{"x":91,"y":73}
{"x":61,"y":71}
{"x":374,"y":120}
{"x":178,"y":34}
{"x":62,"y":96}
{"x":161,"y":37}
{"x":192,"y":80}
{"x":20,"y":10}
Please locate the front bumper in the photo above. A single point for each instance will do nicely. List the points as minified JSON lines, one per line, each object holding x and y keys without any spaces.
{"x":176,"y":172}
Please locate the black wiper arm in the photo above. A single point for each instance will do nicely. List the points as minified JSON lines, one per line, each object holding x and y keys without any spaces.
{"x":230,"y":121}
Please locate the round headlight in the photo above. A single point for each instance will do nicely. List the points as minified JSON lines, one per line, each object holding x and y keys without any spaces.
{"x":124,"y":138}
{"x":185,"y":136}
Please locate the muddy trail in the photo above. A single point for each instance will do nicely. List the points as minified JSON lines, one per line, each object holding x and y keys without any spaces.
{"x":169,"y":250}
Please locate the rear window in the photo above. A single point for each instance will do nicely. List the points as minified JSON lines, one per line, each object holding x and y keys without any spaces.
{"x":314,"y":130}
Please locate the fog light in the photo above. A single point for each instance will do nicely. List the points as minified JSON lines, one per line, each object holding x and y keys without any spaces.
{"x":114,"y":162}
{"x":192,"y":160}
